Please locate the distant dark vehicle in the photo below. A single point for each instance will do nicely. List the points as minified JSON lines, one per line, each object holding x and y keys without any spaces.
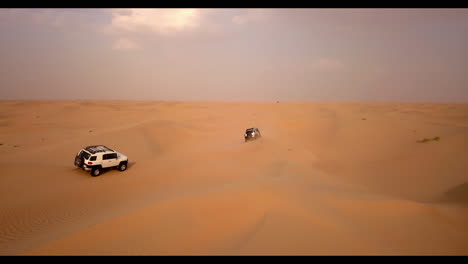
{"x":252,"y":133}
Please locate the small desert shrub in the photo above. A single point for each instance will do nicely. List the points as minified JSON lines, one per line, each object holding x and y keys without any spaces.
{"x":428,"y":139}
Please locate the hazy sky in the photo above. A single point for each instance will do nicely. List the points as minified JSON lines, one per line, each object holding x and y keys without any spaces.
{"x":235,"y":54}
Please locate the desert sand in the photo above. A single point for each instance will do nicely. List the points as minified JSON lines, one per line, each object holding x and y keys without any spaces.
{"x":326,"y":178}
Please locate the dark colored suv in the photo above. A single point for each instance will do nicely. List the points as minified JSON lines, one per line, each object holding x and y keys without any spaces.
{"x":252,"y":133}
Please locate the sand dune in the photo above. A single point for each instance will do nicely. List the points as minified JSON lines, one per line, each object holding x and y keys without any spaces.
{"x":325,"y":178}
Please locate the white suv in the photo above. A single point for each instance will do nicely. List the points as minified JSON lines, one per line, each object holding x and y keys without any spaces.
{"x":96,"y":158}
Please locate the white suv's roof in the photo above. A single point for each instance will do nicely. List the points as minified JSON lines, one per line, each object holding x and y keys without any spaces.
{"x":98,"y":148}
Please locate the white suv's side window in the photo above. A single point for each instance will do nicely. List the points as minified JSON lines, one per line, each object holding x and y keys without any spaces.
{"x":109,"y":156}
{"x":109,"y":160}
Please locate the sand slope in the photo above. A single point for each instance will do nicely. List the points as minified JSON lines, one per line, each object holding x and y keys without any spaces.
{"x":326,"y":178}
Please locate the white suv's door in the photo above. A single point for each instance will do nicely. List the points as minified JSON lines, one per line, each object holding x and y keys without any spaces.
{"x":109,"y":160}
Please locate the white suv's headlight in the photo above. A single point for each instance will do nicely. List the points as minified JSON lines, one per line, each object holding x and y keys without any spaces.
{"x":245,"y":135}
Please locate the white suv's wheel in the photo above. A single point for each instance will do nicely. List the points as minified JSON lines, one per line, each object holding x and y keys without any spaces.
{"x":95,"y":172}
{"x":79,"y":161}
{"x":122,"y":166}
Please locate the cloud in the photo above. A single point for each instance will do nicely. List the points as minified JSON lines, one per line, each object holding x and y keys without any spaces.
{"x":252,"y":16}
{"x":125,"y":44}
{"x":161,"y":21}
{"x":57,"y":19}
{"x":28,"y":16}
{"x":147,"y":25}
{"x":328,"y":64}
